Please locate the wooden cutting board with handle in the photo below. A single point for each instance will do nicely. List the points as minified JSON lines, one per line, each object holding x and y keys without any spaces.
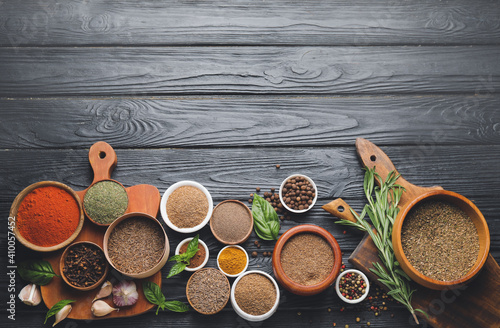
{"x":475,"y":305}
{"x":142,"y":198}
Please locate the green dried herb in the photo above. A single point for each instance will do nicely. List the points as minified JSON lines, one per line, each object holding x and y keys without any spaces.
{"x":105,"y":201}
{"x":382,"y":212}
{"x":265,"y":219}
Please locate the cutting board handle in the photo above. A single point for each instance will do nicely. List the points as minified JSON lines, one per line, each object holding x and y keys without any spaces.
{"x":102,"y":158}
{"x":340,"y":209}
{"x":371,"y":156}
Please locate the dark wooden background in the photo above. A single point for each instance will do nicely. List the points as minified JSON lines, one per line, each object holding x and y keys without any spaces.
{"x":220,"y":92}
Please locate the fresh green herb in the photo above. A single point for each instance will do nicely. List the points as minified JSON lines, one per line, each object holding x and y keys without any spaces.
{"x":153,"y":294}
{"x":382,"y":211}
{"x":184,"y":258}
{"x":266,"y":222}
{"x":56,"y":308}
{"x":37,"y":272}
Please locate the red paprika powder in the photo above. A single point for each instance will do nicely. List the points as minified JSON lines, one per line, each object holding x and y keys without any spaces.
{"x":47,"y":216}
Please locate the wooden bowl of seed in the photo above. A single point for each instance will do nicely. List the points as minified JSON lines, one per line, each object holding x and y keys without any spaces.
{"x":83,"y":265}
{"x":208,"y":291}
{"x":136,"y":245}
{"x":306,"y":259}
{"x":441,"y":240}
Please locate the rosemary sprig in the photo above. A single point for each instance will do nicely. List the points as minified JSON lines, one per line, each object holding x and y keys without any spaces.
{"x":382,"y":211}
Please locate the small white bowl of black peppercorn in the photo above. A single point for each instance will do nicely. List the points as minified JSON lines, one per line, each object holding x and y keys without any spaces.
{"x":298,"y":193}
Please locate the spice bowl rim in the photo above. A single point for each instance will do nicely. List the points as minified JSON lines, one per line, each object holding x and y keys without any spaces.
{"x":283,"y":185}
{"x":249,"y":230}
{"x":189,"y":299}
{"x":170,"y":190}
{"x":20,"y":197}
{"x":244,"y":269}
{"x":465,"y":205}
{"x":337,"y":288}
{"x":153,"y":270}
{"x":293,"y":286}
{"x":63,"y":275}
{"x":251,"y":317}
{"x":85,"y":194}
{"x":178,"y":248}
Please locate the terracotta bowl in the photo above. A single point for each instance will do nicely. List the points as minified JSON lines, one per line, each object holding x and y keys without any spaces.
{"x":61,"y":267}
{"x":291,"y":285}
{"x":83,"y":201}
{"x":159,"y":264}
{"x":219,"y":238}
{"x":17,"y":202}
{"x":477,"y":218}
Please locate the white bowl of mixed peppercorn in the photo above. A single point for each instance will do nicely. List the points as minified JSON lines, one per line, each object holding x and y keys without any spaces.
{"x":352,"y":286}
{"x":298,"y":193}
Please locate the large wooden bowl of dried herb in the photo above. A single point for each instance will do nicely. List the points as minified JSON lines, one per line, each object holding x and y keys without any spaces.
{"x":136,"y":245}
{"x":441,"y":240}
{"x":306,"y":259}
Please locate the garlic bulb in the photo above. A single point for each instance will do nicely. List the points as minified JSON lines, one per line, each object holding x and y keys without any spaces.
{"x":62,"y":314}
{"x":101,"y":308}
{"x":30,"y":295}
{"x":125,"y":293}
{"x":105,"y":291}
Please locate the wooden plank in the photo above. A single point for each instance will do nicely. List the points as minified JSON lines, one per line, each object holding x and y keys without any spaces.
{"x":31,"y":72}
{"x":248,"y":22}
{"x":250,"y":121}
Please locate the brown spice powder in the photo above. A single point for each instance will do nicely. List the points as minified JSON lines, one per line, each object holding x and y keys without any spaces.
{"x":255,"y":294}
{"x":187,"y":207}
{"x":307,"y":259}
{"x":136,"y":245}
{"x":208,"y":290}
{"x":440,"y":240}
{"x":231,"y":221}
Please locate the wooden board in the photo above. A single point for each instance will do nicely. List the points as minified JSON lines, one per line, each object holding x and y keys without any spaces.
{"x":156,"y":71}
{"x":142,"y":198}
{"x":474,"y":305}
{"x":244,"y":22}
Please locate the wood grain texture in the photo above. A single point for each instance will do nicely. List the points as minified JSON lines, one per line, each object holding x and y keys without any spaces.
{"x":247,"y":22}
{"x":32,"y":72}
{"x":424,"y":122}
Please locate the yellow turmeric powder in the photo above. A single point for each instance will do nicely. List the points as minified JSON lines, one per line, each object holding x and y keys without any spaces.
{"x":232,"y":260}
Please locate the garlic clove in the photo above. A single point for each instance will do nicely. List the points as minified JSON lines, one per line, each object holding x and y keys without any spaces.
{"x":105,"y":291}
{"x":30,"y":295}
{"x":62,"y":314}
{"x":125,"y":293}
{"x":101,"y":308}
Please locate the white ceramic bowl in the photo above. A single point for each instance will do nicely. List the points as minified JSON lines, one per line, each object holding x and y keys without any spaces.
{"x":364,"y":278}
{"x":200,"y":242}
{"x":315,"y":196}
{"x":250,"y":317}
{"x":170,"y":190}
{"x":233,"y":275}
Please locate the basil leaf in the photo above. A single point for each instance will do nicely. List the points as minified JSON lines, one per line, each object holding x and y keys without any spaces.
{"x":189,"y":254}
{"x":266,"y":222}
{"x":175,"y":306}
{"x":37,"y":272}
{"x":153,"y":293}
{"x":193,"y":245}
{"x":56,"y":308}
{"x":177,"y":268}
{"x":177,"y":258}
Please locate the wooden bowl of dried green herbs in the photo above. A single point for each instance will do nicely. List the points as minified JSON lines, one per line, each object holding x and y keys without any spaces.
{"x":136,"y":245}
{"x":441,"y":240}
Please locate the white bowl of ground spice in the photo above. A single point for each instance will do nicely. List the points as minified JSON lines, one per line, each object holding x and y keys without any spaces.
{"x":186,"y":206}
{"x":255,"y":296}
{"x":199,"y":260}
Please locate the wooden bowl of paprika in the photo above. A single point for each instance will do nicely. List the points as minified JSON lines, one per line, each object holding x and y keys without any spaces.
{"x":46,"y":216}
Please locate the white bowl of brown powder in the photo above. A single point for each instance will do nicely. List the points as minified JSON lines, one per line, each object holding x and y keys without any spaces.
{"x":186,"y":206}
